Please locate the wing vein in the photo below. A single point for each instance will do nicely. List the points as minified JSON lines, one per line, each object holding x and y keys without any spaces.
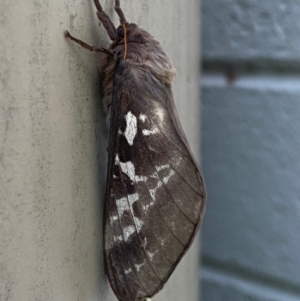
{"x":167,"y":193}
{"x":189,"y":158}
{"x":125,"y":252}
{"x":167,"y":138}
{"x":113,"y":275}
{"x":179,"y":174}
{"x":146,"y":255}
{"x":157,"y":240}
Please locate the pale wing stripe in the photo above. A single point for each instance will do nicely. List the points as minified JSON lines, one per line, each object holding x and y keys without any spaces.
{"x":179,"y":174}
{"x":191,"y":201}
{"x":167,"y":138}
{"x":149,"y":153}
{"x":158,"y":211}
{"x":132,"y":218}
{"x":188,"y":157}
{"x":144,"y":215}
{"x":129,"y":258}
{"x":159,"y":243}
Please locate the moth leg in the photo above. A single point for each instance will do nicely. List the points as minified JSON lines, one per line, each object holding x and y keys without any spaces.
{"x":87,"y":46}
{"x":119,"y":11}
{"x":107,"y":23}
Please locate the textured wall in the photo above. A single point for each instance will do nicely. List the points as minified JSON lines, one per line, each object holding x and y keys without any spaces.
{"x":251,"y":150}
{"x":53,"y":138}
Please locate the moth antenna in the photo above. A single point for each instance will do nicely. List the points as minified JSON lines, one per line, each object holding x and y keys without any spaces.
{"x":125,"y":40}
{"x":105,"y":20}
{"x":119,"y":11}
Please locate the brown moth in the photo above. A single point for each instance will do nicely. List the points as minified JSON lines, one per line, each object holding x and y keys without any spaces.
{"x":155,"y":195}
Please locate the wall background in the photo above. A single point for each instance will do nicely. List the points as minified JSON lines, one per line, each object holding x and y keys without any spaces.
{"x":53,"y":138}
{"x":251,"y":147}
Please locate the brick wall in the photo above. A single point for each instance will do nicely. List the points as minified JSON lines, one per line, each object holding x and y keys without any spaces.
{"x":251,"y":150}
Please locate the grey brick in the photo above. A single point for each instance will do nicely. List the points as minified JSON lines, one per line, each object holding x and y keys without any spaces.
{"x":251,"y":162}
{"x":251,"y":30}
{"x":226,"y":287}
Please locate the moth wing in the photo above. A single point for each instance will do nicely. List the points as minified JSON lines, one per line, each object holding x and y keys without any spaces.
{"x":155,"y":196}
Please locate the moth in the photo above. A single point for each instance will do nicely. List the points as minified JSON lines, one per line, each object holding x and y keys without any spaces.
{"x":155,"y":194}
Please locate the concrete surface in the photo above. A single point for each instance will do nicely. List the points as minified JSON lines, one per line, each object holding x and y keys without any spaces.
{"x":251,"y":130}
{"x":53,"y":138}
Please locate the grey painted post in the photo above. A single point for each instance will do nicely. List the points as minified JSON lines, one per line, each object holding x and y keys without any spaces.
{"x":53,"y":138}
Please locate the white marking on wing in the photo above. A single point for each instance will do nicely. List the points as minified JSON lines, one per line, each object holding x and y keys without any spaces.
{"x":153,"y":191}
{"x":118,"y":238}
{"x":138,"y":266}
{"x":178,"y":160}
{"x":114,"y":217}
{"x":143,"y":117}
{"x":138,"y":223}
{"x":146,"y":207}
{"x":150,"y":132}
{"x":131,"y":127}
{"x":162,"y":241}
{"x":167,"y":178}
{"x":151,"y":255}
{"x":129,"y":169}
{"x":122,"y":205}
{"x":132,"y":198}
{"x":160,"y":113}
{"x":144,"y":243}
{"x":117,"y":159}
{"x":161,"y":167}
{"x":127,"y":231}
{"x":127,"y":271}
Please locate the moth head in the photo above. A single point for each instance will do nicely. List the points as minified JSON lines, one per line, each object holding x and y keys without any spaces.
{"x":134,"y":34}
